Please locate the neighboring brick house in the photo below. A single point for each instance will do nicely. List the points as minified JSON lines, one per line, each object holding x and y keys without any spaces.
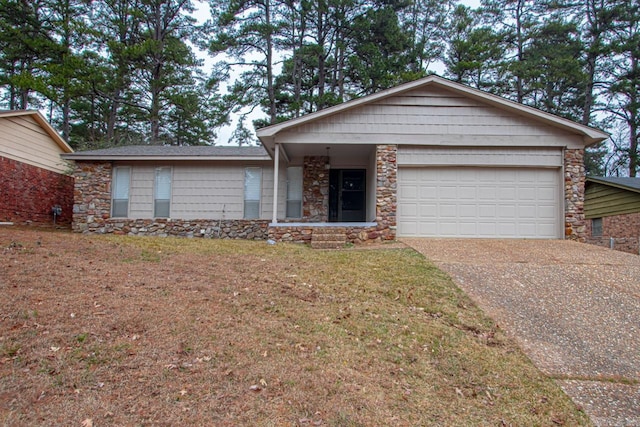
{"x":33,"y":177}
{"x":612,"y":210}
{"x":428,"y":158}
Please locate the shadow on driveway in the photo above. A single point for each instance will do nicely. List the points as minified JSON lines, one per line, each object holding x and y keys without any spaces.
{"x":573,"y":308}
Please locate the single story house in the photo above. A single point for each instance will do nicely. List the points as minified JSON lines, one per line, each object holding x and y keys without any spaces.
{"x":612,"y":210}
{"x":426,"y":158}
{"x":35,"y":181}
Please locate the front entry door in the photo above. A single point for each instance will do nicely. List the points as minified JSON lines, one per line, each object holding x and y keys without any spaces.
{"x":347,"y":195}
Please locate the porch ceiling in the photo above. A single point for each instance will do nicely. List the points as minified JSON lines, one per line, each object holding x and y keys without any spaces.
{"x":355,"y":151}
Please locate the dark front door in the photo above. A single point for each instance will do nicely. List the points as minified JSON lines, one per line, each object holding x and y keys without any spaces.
{"x":347,"y":195}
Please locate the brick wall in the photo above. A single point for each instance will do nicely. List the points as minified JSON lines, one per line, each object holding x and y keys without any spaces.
{"x":27,"y":194}
{"x":623,"y":229}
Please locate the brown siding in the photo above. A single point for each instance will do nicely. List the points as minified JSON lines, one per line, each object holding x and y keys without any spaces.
{"x":604,"y":200}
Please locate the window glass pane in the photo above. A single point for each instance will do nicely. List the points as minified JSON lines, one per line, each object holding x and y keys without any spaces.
{"x":252,"y":183}
{"x":252,"y":191}
{"x":163,"y":183}
{"x":120,"y":208}
{"x":596,"y":227}
{"x":251,"y":209}
{"x":294,"y":209}
{"x":162,"y":201}
{"x":120,"y":201}
{"x":294,"y":192}
{"x":121,"y":183}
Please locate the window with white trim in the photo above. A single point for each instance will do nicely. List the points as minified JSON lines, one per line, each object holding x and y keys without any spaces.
{"x":252,"y":191}
{"x":120,"y":194}
{"x":162,"y":193}
{"x":294,"y":192}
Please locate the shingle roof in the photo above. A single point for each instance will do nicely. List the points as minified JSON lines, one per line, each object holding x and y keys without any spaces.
{"x":628,"y":183}
{"x":165,"y":152}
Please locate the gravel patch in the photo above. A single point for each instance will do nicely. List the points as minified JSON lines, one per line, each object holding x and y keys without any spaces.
{"x":573,"y":308}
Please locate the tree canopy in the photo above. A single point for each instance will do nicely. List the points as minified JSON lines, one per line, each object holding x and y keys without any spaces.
{"x":113,"y":72}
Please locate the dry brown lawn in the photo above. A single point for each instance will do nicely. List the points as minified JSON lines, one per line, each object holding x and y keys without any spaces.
{"x":151,"y":331}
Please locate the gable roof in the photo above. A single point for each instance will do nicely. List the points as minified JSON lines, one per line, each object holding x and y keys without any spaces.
{"x":590,"y":135}
{"x":624,"y":183}
{"x":44,"y":124}
{"x":169,"y":152}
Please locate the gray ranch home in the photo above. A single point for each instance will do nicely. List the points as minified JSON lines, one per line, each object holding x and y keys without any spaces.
{"x":427,"y":158}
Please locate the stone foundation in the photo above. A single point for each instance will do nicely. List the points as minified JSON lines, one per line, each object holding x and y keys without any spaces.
{"x":28,"y":194}
{"x":207,"y":228}
{"x":574,"y":179}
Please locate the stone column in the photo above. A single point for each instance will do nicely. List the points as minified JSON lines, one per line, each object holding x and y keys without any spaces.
{"x":92,"y":195}
{"x":386,"y":190}
{"x":574,"y":179}
{"x":315,"y":196}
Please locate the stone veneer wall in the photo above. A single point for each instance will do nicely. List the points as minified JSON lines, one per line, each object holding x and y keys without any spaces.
{"x":574,"y":179}
{"x":623,"y":229}
{"x":92,"y":196}
{"x":315,"y":184}
{"x":386,"y":190}
{"x":28,"y":194}
{"x":92,"y":213}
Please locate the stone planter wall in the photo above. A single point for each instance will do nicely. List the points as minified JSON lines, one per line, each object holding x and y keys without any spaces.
{"x":302,"y":233}
{"x":574,"y":179}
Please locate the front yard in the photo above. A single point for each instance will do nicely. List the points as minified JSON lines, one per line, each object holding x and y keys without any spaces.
{"x":152,"y":331}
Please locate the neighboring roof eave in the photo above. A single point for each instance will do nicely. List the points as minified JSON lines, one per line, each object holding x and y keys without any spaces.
{"x":590,"y":135}
{"x":171,"y":153}
{"x":81,"y":157}
{"x":44,"y":124}
{"x":604,"y":181}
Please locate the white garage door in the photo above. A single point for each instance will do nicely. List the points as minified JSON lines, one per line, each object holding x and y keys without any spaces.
{"x":479,"y":202}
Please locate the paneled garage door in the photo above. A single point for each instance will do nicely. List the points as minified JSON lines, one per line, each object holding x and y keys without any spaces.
{"x":479,"y":202}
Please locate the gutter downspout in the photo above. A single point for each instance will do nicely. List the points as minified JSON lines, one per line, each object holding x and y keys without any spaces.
{"x":276,"y":167}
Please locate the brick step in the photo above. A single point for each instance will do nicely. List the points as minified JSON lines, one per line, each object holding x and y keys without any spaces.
{"x":328,"y":239}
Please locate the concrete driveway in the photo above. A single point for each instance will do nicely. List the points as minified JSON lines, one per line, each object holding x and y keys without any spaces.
{"x":573,"y":308}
